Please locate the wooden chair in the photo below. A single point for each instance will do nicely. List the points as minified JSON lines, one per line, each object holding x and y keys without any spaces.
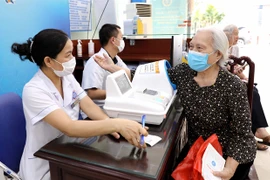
{"x":243,"y":60}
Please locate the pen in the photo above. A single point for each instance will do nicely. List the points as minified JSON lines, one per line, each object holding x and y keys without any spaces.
{"x":143,"y":125}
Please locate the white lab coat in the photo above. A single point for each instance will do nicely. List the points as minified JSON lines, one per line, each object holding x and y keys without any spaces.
{"x":40,"y":98}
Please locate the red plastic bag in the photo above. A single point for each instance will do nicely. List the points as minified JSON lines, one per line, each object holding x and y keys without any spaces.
{"x":184,"y":170}
{"x":191,"y":167}
{"x":197,"y":168}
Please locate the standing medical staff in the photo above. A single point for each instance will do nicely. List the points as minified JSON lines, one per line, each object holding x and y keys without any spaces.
{"x":52,"y":100}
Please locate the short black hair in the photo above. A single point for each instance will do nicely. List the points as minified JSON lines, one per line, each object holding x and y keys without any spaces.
{"x":106,"y":32}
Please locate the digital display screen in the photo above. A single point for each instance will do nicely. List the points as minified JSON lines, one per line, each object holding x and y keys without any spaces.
{"x":123,"y":83}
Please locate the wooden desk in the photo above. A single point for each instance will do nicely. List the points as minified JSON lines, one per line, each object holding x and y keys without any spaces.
{"x":105,"y":158}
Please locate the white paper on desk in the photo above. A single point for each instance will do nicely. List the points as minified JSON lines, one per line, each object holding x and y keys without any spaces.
{"x":152,"y":139}
{"x":211,"y":161}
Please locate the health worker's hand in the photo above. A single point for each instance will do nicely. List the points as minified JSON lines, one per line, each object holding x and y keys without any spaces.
{"x":115,"y":135}
{"x":132,"y":131}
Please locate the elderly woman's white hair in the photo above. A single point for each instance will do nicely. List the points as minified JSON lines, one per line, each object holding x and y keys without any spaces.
{"x":219,"y":42}
{"x":230,"y":28}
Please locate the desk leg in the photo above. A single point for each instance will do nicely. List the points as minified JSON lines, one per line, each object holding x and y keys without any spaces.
{"x":180,"y":142}
{"x":56,"y":172}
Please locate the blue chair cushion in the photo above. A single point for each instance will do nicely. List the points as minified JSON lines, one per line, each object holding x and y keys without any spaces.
{"x":12,"y":130}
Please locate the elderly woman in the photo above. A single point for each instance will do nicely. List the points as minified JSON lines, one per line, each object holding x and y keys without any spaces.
{"x":232,"y":32}
{"x":214,"y":101}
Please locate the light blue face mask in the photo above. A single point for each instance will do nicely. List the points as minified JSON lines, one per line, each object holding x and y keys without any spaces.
{"x":198,"y":61}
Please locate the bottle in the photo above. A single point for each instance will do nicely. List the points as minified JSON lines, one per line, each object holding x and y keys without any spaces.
{"x":135,"y":24}
{"x":140,"y":29}
{"x":79,"y":48}
{"x":91,"y":48}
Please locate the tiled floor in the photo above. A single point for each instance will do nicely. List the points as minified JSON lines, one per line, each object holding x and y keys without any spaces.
{"x":260,"y":55}
{"x":261,"y":165}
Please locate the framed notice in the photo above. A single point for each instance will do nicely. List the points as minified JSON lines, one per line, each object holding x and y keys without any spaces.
{"x":80,"y":15}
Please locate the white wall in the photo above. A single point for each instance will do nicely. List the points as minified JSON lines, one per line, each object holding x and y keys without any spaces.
{"x":114,"y":13}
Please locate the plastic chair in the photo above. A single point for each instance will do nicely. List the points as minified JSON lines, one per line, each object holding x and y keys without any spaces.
{"x":12,"y":130}
{"x":243,"y":60}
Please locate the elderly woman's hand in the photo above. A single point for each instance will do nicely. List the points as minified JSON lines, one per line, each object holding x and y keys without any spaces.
{"x":229,"y":169}
{"x":238,"y":69}
{"x":226,"y":174}
{"x":105,"y":62}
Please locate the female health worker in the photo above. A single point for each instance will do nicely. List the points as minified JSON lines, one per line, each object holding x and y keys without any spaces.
{"x":52,"y":100}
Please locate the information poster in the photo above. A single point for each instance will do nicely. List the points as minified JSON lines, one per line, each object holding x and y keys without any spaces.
{"x":169,"y":16}
{"x":80,"y":15}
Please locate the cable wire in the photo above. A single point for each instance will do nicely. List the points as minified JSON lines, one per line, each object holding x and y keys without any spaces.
{"x":100,"y":18}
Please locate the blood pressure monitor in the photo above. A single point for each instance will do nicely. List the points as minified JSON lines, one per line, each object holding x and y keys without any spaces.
{"x":133,"y":100}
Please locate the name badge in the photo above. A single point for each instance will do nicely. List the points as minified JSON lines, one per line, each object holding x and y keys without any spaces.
{"x":75,"y":99}
{"x":75,"y":103}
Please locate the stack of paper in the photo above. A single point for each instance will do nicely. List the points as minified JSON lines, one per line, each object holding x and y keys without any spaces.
{"x":152,"y":139}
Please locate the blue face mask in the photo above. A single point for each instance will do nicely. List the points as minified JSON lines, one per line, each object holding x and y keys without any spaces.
{"x":198,"y":61}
